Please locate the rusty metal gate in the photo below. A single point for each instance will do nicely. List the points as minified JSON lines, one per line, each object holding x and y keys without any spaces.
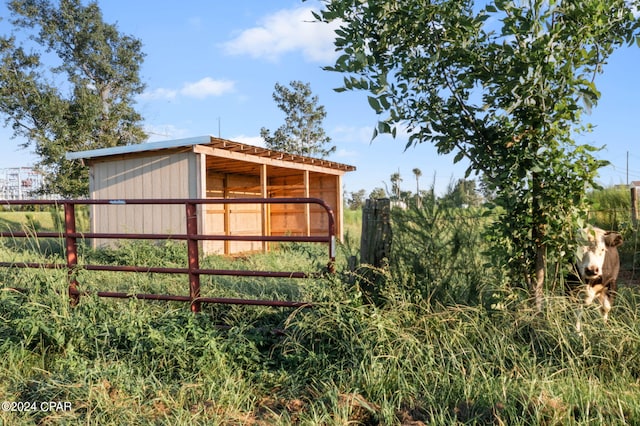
{"x":192,"y":237}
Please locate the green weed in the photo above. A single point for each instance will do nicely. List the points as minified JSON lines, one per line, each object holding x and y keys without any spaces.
{"x":449,"y":344}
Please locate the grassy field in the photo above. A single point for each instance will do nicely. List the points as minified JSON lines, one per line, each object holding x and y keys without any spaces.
{"x":446,"y":344}
{"x":44,"y":219}
{"x":14,"y":220}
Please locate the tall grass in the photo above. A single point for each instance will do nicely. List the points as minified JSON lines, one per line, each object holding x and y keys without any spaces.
{"x":468,"y":365}
{"x":450,"y":345}
{"x":610,"y":208}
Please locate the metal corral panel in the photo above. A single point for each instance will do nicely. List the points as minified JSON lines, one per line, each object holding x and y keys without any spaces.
{"x":156,"y":176}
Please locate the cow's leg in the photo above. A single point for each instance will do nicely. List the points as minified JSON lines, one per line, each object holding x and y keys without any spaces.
{"x":588,"y":300}
{"x":591,"y":295}
{"x":601,"y":293}
{"x":605,"y":305}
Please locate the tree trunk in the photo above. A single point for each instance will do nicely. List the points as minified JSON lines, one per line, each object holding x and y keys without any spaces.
{"x":538,"y":234}
{"x":540,"y":272}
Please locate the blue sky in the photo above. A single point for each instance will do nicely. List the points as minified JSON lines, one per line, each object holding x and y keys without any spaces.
{"x":211,"y":67}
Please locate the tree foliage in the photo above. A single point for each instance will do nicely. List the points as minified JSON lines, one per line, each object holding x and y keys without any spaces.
{"x":504,"y":85}
{"x":356,"y":199}
{"x":302,"y":131}
{"x":378,"y":193}
{"x":83,"y":101}
{"x":462,"y":193}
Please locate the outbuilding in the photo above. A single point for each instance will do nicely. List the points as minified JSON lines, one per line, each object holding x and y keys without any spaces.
{"x":210,"y":167}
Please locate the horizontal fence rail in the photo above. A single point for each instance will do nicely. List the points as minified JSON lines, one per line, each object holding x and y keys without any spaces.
{"x":192,"y":236}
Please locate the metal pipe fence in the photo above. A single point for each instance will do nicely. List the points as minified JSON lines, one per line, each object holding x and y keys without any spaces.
{"x":193,"y":237}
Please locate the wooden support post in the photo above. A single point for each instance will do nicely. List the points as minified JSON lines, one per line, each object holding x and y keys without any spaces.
{"x":265,"y":210}
{"x":339,"y":197}
{"x":307,"y":207}
{"x":227,"y":214}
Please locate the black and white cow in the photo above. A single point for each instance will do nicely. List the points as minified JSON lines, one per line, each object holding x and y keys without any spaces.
{"x":596,"y":268}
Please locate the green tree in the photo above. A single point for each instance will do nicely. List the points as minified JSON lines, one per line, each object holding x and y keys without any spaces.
{"x":302,"y":131}
{"x":486,"y":189}
{"x":378,"y":193}
{"x":83,"y":100}
{"x":356,"y":199}
{"x":395,"y":179}
{"x":504,"y":85}
{"x":462,"y":193}
{"x":417,"y":173}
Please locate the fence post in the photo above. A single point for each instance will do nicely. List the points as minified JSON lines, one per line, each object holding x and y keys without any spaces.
{"x":193,"y":255}
{"x":375,"y":242}
{"x":634,"y":206}
{"x":71,"y":246}
{"x":375,"y":247}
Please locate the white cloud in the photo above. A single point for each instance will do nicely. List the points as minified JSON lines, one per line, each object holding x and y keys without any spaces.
{"x":207,"y":87}
{"x":285,"y":31}
{"x":345,"y":153}
{"x":353,"y":134}
{"x":159,"y":93}
{"x":249,"y":140}
{"x":200,"y":89}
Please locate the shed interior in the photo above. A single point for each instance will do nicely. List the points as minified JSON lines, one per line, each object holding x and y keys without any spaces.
{"x":228,"y":178}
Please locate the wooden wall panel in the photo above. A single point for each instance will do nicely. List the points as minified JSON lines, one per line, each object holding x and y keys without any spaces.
{"x":323,"y":187}
{"x":287,"y":219}
{"x":243,"y":219}
{"x":214,"y":218}
{"x":233,"y":219}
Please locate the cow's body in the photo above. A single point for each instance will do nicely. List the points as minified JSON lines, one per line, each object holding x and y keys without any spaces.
{"x":596,"y":268}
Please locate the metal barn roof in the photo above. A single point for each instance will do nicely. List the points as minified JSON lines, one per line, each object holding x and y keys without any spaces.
{"x":208,"y":141}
